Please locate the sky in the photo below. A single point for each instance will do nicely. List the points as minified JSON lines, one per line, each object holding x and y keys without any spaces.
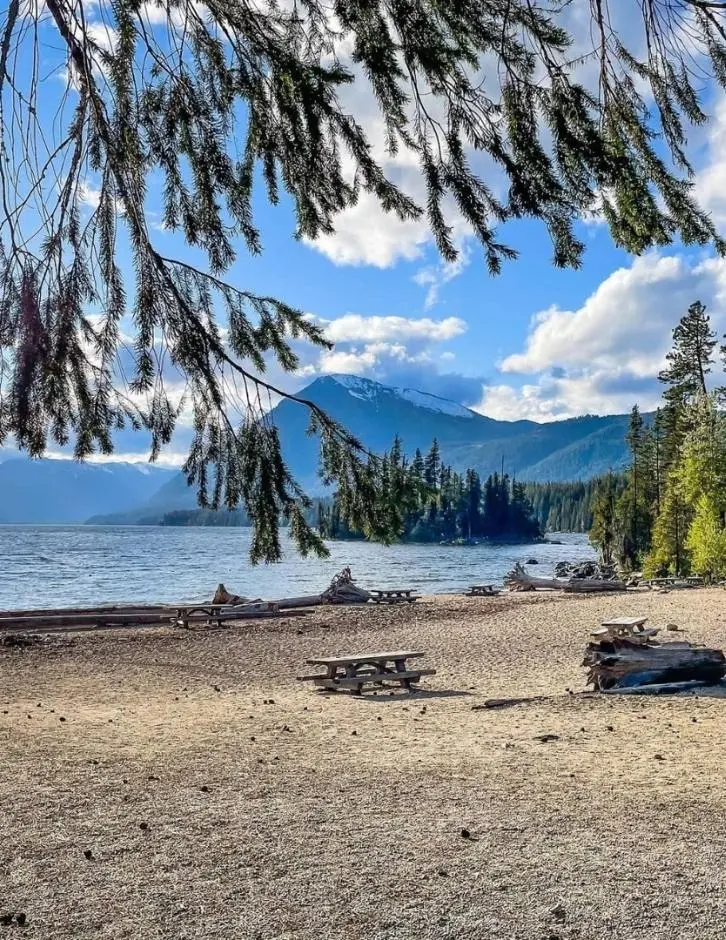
{"x":534,"y":342}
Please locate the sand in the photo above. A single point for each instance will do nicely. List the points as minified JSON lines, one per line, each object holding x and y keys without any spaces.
{"x":212,"y":814}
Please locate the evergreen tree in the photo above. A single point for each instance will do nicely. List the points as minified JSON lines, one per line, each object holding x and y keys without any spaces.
{"x":432,"y":465}
{"x":472,"y":513}
{"x":604,"y":532}
{"x":686,"y":416}
{"x":703,"y":487}
{"x":669,"y":552}
{"x":689,"y":363}
{"x":202,"y":104}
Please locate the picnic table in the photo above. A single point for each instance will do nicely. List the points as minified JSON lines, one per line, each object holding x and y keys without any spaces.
{"x":359,"y":669}
{"x":393,"y":596}
{"x":692,"y":580}
{"x":629,"y":628}
{"x":482,"y":590}
{"x":182,"y":615}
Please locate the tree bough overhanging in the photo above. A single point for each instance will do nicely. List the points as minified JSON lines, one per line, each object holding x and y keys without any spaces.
{"x":201,"y":104}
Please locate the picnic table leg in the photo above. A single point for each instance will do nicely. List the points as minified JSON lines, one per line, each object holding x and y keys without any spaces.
{"x":351,"y":672}
{"x":401,"y":667}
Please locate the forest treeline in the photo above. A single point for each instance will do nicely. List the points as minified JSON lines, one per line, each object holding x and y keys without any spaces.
{"x":427,"y":501}
{"x":564,"y":507}
{"x":669,"y":517}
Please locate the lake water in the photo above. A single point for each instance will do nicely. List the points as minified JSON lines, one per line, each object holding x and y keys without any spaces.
{"x":57,"y":566}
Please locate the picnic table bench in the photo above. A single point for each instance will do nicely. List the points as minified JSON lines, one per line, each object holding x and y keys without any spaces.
{"x":630,"y":628}
{"x":482,"y":590}
{"x":393,"y":596}
{"x":359,"y":669}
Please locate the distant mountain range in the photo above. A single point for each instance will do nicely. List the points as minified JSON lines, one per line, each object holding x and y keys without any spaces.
{"x":63,"y":491}
{"x":579,"y":448}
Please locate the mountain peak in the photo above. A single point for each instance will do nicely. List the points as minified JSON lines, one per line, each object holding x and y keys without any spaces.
{"x":368,"y":389}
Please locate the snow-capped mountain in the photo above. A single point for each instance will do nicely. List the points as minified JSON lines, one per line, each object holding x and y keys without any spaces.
{"x":368,"y":390}
{"x":63,"y":491}
{"x":578,"y":448}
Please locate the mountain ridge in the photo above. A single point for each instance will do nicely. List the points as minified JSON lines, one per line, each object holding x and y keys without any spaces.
{"x":63,"y":491}
{"x":558,"y":451}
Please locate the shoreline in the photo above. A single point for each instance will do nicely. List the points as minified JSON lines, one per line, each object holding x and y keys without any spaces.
{"x":275,"y":811}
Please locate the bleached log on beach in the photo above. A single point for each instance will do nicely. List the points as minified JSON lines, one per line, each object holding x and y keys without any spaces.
{"x":309,"y":600}
{"x":620,"y":663}
{"x":519,"y":579}
{"x":342,"y":590}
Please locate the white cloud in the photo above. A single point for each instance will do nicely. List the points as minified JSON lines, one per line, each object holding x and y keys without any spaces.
{"x":605,"y":355}
{"x":365,"y":234}
{"x":398,"y":351}
{"x":353,"y":327}
{"x":710,"y":185}
{"x":627,"y":319}
{"x":89,"y":195}
{"x":365,"y":360}
{"x":435,"y":276}
{"x":160,"y":13}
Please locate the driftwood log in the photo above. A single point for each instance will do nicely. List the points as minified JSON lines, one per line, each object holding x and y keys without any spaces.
{"x":622,"y":663}
{"x":342,"y":590}
{"x":519,"y":579}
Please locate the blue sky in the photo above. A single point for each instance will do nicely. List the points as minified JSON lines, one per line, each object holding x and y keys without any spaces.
{"x":534,"y":342}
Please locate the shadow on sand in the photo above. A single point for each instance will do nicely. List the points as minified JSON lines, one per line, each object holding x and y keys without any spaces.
{"x":382,"y":696}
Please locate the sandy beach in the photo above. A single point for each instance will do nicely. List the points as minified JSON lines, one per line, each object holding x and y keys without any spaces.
{"x":163,"y":784}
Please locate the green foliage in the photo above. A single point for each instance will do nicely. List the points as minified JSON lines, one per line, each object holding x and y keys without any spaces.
{"x":451,"y":507}
{"x":669,"y":554}
{"x":563,"y":507}
{"x":683,"y":461}
{"x":208,"y":102}
{"x":604,"y":534}
{"x":225,"y":518}
{"x":706,"y":541}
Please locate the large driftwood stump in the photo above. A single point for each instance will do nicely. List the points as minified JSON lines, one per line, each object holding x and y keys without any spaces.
{"x":623,"y":663}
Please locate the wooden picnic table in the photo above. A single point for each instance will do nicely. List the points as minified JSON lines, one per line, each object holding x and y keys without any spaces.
{"x":694,"y":580}
{"x":359,"y":669}
{"x":630,"y":628}
{"x":393,"y":596}
{"x":482,"y":590}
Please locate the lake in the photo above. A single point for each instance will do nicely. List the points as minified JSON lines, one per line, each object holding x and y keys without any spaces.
{"x":57,"y":566}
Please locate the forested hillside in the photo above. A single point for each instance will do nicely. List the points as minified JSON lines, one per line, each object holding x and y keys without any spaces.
{"x":563,"y":507}
{"x":669,"y":516}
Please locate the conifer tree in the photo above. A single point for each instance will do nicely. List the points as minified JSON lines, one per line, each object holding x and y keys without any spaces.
{"x":689,"y":363}
{"x":687,"y":415}
{"x":604,"y":532}
{"x":669,"y":552}
{"x":432,"y":465}
{"x":206,"y":103}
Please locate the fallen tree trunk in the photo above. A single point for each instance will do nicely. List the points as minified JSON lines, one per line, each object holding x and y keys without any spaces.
{"x":309,"y":600}
{"x":583,"y":585}
{"x":620,"y":663}
{"x":519,"y":579}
